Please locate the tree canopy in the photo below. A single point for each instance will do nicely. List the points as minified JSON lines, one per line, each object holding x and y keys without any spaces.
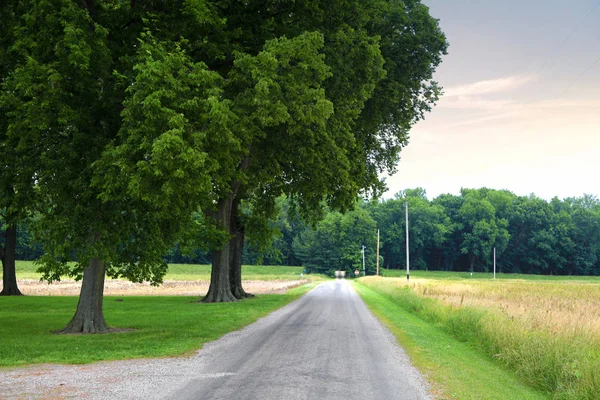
{"x":456,"y":233}
{"x":127,"y":117}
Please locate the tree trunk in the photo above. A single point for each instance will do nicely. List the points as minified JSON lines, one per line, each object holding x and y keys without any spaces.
{"x":219,"y":290}
{"x":9,"y":274}
{"x":236,"y":247}
{"x":472,"y":263}
{"x":89,"y":317}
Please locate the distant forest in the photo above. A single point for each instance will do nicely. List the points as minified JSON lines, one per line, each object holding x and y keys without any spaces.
{"x":450,"y":233}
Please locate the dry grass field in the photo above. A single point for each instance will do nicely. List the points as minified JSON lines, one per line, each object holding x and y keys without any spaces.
{"x":558,"y":307}
{"x":547,"y":331}
{"x":118,"y":287}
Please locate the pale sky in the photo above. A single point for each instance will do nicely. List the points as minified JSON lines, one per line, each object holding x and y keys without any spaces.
{"x":521,"y":109}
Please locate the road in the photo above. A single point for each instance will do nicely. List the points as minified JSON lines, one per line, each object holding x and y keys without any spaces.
{"x":327,"y":345}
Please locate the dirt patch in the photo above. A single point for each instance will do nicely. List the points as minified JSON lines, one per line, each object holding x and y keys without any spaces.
{"x":117,"y":287}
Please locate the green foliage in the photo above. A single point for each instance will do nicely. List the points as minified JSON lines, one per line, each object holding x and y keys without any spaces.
{"x":429,"y":228}
{"x":482,"y":229}
{"x":127,"y":117}
{"x":457,"y":233}
{"x":337,"y":242}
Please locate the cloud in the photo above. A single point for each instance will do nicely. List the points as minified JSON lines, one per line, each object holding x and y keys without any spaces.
{"x":488,"y":86}
{"x":504,"y":100}
{"x":521,"y":113}
{"x":468,"y":102}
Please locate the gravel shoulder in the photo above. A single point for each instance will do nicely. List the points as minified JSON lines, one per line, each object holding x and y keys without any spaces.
{"x":326,"y":345}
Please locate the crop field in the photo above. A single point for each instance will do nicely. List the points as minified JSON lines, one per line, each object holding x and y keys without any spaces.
{"x":547,"y":331}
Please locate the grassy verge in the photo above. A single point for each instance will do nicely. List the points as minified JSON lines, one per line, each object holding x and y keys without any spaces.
{"x":163,"y":326}
{"x":560,"y":362}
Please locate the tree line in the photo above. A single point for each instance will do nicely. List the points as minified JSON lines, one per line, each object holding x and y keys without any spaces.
{"x":450,"y":233}
{"x":129,"y":127}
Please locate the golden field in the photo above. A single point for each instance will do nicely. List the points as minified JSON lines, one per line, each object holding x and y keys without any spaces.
{"x":548,"y":332}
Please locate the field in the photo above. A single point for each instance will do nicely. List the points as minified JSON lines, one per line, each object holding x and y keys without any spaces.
{"x":189,"y":272}
{"x":181,"y":279}
{"x":158,"y":325}
{"x":545,"y":330}
{"x":459,"y":276}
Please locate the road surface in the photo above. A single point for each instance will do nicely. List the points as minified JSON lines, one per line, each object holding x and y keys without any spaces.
{"x":327,"y":345}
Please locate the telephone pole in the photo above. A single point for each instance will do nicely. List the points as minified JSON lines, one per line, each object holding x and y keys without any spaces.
{"x":377,"y":252}
{"x":363,"y":257}
{"x":407,"y":247}
{"x":494,"y":263}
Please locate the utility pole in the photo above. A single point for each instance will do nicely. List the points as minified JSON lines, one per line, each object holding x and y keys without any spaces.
{"x":494,"y":263}
{"x":363,"y":256}
{"x":407,"y":247}
{"x":378,"y":252}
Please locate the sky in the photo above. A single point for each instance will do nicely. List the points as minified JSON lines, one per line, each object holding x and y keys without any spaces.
{"x":521,"y":103}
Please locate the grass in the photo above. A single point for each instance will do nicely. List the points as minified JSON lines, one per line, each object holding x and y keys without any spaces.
{"x":547,"y":332}
{"x":451,"y":275}
{"x":456,"y":369}
{"x":191,"y":272}
{"x":459,"y":276}
{"x":249,"y":272}
{"x":163,"y":326}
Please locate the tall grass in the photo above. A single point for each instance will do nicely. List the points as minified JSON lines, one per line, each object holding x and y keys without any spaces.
{"x":514,"y":322}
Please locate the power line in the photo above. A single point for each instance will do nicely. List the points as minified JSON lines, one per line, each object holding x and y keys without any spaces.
{"x":577,"y":78}
{"x":566,"y":39}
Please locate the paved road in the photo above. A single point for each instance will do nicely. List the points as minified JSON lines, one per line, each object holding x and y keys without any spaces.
{"x":327,"y":345}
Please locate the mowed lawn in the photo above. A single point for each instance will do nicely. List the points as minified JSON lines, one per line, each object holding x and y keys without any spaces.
{"x":543,"y":330}
{"x":158,"y":326}
{"x":192,"y":272}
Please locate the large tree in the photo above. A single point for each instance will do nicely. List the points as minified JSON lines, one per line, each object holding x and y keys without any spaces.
{"x":340,"y":101}
{"x":75,"y":93}
{"x":16,"y":174}
{"x":315,"y":101}
{"x":483,"y":229}
{"x":135,"y":113}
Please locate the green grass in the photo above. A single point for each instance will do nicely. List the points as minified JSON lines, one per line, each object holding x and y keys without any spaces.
{"x":191,"y":272}
{"x":26,"y":270}
{"x":163,"y":326}
{"x":249,"y":272}
{"x":456,"y":369}
{"x":451,"y":275}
